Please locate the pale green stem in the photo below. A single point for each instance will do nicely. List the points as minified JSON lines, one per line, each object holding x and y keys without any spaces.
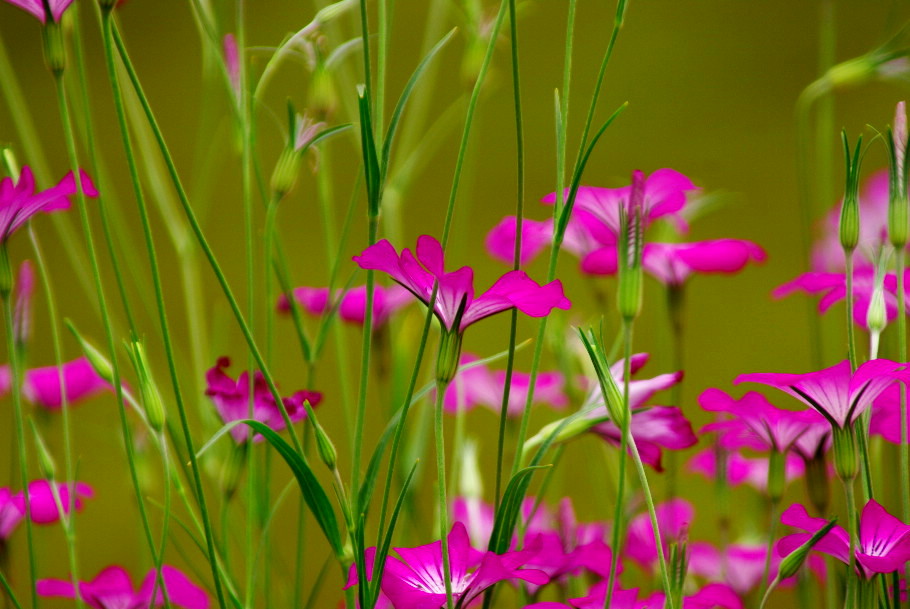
{"x":851,"y":530}
{"x":618,"y":512}
{"x":902,"y":357}
{"x":441,"y":490}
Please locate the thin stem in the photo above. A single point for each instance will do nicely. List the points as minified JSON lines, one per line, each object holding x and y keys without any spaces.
{"x":676,"y":301}
{"x":441,"y":491}
{"x":902,"y":357}
{"x":618,"y":519}
{"x":851,"y":332}
{"x":851,"y":529}
{"x":772,"y":532}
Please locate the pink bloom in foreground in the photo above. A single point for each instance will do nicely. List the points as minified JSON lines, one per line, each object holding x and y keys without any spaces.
{"x":673,"y":263}
{"x":480,"y":386}
{"x":833,"y":288}
{"x":836,"y":393}
{"x":19,"y":202}
{"x":36,"y":8}
{"x":757,"y":423}
{"x":414,"y":580}
{"x":232,"y":400}
{"x":884,"y":541}
{"x":41,"y":386}
{"x":621,"y":599}
{"x":673,"y":519}
{"x":744,"y":470}
{"x":353,"y":305}
{"x":113,"y":589}
{"x":886,"y":415}
{"x":455,"y":297}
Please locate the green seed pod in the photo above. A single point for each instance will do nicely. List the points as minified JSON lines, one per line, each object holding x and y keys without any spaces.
{"x":148,"y":389}
{"x":846,"y":459}
{"x":99,"y":362}
{"x":284,"y":177}
{"x":629,"y":292}
{"x":54,"y":47}
{"x":324,"y":445}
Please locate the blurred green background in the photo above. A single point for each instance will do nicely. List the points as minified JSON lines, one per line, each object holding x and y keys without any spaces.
{"x":711,"y":86}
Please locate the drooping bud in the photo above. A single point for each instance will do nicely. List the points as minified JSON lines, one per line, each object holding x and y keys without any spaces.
{"x":795,"y":559}
{"x":846,"y":458}
{"x":22,"y":315}
{"x":148,"y":389}
{"x":630,"y":245}
{"x":54,"y":47}
{"x":324,"y":445}
{"x":46,"y":462}
{"x":776,"y":475}
{"x":849,"y":215}
{"x":100,"y":363}
{"x":898,"y":206}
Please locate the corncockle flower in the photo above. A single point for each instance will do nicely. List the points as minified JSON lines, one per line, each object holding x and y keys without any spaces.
{"x":232,"y":62}
{"x":455,"y":305}
{"x":19,"y":202}
{"x":673,"y":263}
{"x":113,"y":589}
{"x":833,"y":288}
{"x":36,"y":8}
{"x":42,"y":504}
{"x":757,"y":423}
{"x":640,"y":391}
{"x":22,"y":314}
{"x":41,"y":386}
{"x":232,"y":400}
{"x":620,"y":599}
{"x":353,"y":302}
{"x":477,"y":516}
{"x":744,"y":470}
{"x":884,"y":541}
{"x":480,"y":386}
{"x":712,"y":596}
{"x":535,"y":236}
{"x":740,"y":566}
{"x":836,"y":393}
{"x":886,"y":415}
{"x":415,"y":580}
{"x":10,"y":514}
{"x":673,"y":519}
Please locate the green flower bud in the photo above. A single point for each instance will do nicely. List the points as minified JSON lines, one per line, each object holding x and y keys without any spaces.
{"x":148,"y":389}
{"x":629,"y":293}
{"x":46,"y":462}
{"x":849,"y":213}
{"x":285,"y":174}
{"x":323,"y":99}
{"x":846,"y":459}
{"x":876,"y":316}
{"x":793,"y":561}
{"x":449,"y":354}
{"x":324,"y":445}
{"x":54,"y":47}
{"x":99,"y":362}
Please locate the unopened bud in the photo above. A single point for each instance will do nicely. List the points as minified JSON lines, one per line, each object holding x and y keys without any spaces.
{"x":629,"y":292}
{"x":99,"y":362}
{"x":846,"y":459}
{"x":148,"y":389}
{"x":876,"y":316}
{"x":324,"y":445}
{"x":448,"y":356}
{"x":286,"y":169}
{"x":45,"y":461}
{"x":323,"y":99}
{"x":795,"y":559}
{"x":54,"y":48}
{"x":849,"y":223}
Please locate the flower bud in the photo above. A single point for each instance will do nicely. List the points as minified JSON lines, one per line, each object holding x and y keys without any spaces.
{"x":849,"y":213}
{"x":323,"y":99}
{"x":324,"y":445}
{"x":876,"y":316}
{"x":285,"y":174}
{"x":449,"y":354}
{"x":45,"y":461}
{"x":54,"y":47}
{"x":99,"y":362}
{"x":846,"y":459}
{"x":776,"y":475}
{"x":148,"y":389}
{"x":795,"y":559}
{"x":629,"y":293}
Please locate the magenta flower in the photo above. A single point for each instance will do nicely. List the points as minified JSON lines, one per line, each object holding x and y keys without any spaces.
{"x":535,"y":237}
{"x":36,"y":8}
{"x":886,"y":415}
{"x":415,"y":580}
{"x":113,"y":589}
{"x":833,"y":288}
{"x":480,"y":386}
{"x":712,"y":596}
{"x":19,"y":202}
{"x":232,"y":400}
{"x":621,"y":599}
{"x":741,"y":566}
{"x":673,"y":519}
{"x":22,"y":294}
{"x":43,"y":507}
{"x":640,"y":391}
{"x":836,"y":393}
{"x":42,"y":385}
{"x":745,"y":470}
{"x":756,"y":422}
{"x":455,"y":297}
{"x":884,"y":541}
{"x":11,"y":514}
{"x":353,"y":305}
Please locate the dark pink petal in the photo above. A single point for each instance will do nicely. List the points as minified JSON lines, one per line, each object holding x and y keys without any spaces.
{"x":836,"y":542}
{"x":714,"y":596}
{"x":36,"y":8}
{"x":11,"y":514}
{"x":314,"y":301}
{"x":535,"y":237}
{"x":516,"y":289}
{"x":43,"y":506}
{"x":111,"y":589}
{"x":673,"y":519}
{"x":42,"y":385}
{"x":601,"y":262}
{"x":884,"y":540}
{"x":181,"y":591}
{"x":672,"y":263}
{"x":55,"y":588}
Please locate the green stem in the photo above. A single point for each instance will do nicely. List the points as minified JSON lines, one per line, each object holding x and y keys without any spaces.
{"x":676,"y":300}
{"x":441,"y":491}
{"x":618,"y":517}
{"x":9,"y":591}
{"x":772,"y":532}
{"x":902,"y":357}
{"x":851,"y":529}
{"x":851,"y":332}
{"x":110,"y":35}
{"x":516,"y":264}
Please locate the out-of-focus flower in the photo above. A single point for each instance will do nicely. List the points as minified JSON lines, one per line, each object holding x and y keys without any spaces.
{"x":43,"y":507}
{"x":886,"y":415}
{"x":22,"y":314}
{"x":673,"y":519}
{"x":10,"y":514}
{"x":884,"y":541}
{"x":113,"y":589}
{"x":744,"y":470}
{"x":232,"y":62}
{"x":41,"y":386}
{"x":480,"y":386}
{"x":19,"y":202}
{"x":36,"y":8}
{"x":232,"y":400}
{"x":353,"y":304}
{"x":415,"y":580}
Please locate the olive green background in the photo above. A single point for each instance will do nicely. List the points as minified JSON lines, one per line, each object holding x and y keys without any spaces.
{"x":711,"y":86}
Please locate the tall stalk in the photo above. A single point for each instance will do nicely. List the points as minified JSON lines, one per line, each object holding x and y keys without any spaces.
{"x":441,"y":490}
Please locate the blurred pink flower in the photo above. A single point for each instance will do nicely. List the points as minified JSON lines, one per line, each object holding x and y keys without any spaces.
{"x":673,"y":520}
{"x":41,"y":386}
{"x":744,"y":470}
{"x":19,"y":202}
{"x":36,"y":8}
{"x":113,"y":589}
{"x":353,"y":304}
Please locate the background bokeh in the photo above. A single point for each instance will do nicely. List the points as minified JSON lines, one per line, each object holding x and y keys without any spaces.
{"x":711,"y":86}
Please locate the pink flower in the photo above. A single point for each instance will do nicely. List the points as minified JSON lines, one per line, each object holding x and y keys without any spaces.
{"x":672,"y":263}
{"x":36,"y":8}
{"x":673,"y":519}
{"x":836,"y":393}
{"x":757,"y":423}
{"x":535,"y":237}
{"x":712,"y":596}
{"x":745,"y":470}
{"x":833,"y":287}
{"x":18,"y":202}
{"x":884,"y":541}
{"x":11,"y":514}
{"x":640,"y":391}
{"x":480,"y":386}
{"x":22,"y":315}
{"x":415,"y":579}
{"x":232,"y":400}
{"x":621,"y":599}
{"x":886,"y":415}
{"x":741,"y":566}
{"x":113,"y":589}
{"x":42,"y":385}
{"x":455,"y":297}
{"x":353,"y":304}
{"x":43,"y":507}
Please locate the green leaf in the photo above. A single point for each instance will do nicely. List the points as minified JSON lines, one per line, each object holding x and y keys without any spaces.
{"x":510,"y":508}
{"x":403,"y":100}
{"x":368,"y":148}
{"x":369,"y":479}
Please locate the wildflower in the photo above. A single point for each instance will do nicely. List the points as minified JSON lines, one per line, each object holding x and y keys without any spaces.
{"x":415,"y":580}
{"x":480,"y":386}
{"x":833,"y":287}
{"x":42,"y":505}
{"x":535,"y":236}
{"x":886,"y":415}
{"x":19,"y":202}
{"x":712,"y":596}
{"x":232,"y":400}
{"x":740,"y":565}
{"x":673,"y":519}
{"x":36,"y":8}
{"x":673,"y":263}
{"x":10,"y":514}
{"x":620,"y":599}
{"x":41,"y":386}
{"x":113,"y":589}
{"x":22,"y":314}
{"x":352,"y":305}
{"x":884,"y":541}
{"x":743,"y":470}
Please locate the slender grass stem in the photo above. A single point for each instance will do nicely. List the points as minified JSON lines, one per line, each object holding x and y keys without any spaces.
{"x":902,"y":357}
{"x":774,"y":513}
{"x":616,"y":530}
{"x":441,"y":491}
{"x":9,"y":591}
{"x":851,"y":332}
